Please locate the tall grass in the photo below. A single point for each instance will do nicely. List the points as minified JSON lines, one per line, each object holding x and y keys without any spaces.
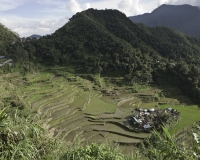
{"x":23,"y":139}
{"x":163,"y":146}
{"x":94,"y":151}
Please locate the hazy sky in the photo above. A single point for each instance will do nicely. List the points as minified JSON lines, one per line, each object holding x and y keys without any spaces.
{"x":27,"y":17}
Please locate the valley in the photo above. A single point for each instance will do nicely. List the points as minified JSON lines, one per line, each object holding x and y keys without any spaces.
{"x":100,"y":87}
{"x":97,"y":110}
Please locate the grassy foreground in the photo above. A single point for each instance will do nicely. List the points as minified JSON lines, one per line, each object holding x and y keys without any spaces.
{"x":22,"y":139}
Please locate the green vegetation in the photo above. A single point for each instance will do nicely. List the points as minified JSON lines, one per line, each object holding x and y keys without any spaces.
{"x":80,"y":101}
{"x":164,"y":146}
{"x":189,"y":115}
{"x":60,"y":104}
{"x":139,"y":88}
{"x":94,"y":151}
{"x":97,"y":106}
{"x":7,"y":37}
{"x":22,"y":139}
{"x":65,"y":104}
{"x":115,"y":46}
{"x":108,"y":70}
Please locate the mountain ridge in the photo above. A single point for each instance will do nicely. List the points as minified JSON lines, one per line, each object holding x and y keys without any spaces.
{"x":100,"y":33}
{"x":35,"y":36}
{"x":185,"y":18}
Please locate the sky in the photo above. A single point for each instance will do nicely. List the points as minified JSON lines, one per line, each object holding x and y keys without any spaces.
{"x":27,"y":17}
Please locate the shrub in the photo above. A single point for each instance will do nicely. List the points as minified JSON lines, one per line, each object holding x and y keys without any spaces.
{"x":93,"y":151}
{"x":163,"y":146}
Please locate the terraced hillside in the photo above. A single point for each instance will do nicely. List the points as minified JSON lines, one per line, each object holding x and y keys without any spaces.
{"x":70,"y":106}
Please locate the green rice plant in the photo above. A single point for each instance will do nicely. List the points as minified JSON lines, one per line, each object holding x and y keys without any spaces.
{"x":92,"y":117}
{"x":189,"y":115}
{"x":97,"y":106}
{"x":133,"y":105}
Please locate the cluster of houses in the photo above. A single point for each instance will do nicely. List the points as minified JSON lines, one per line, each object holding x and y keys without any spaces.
{"x":146,"y":119}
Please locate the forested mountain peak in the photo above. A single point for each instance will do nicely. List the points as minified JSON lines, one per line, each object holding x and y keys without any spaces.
{"x":185,"y":18}
{"x":96,"y":29}
{"x":180,"y":9}
{"x":107,"y":38}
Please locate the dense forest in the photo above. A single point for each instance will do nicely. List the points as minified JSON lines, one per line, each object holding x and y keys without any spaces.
{"x":106,"y":41}
{"x":6,"y":37}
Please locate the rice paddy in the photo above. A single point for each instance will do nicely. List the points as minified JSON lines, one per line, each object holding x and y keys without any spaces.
{"x":189,"y":115}
{"x":71,"y":106}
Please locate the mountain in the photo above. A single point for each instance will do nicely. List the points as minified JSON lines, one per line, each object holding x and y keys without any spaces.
{"x":6,"y":37}
{"x":106,"y":37}
{"x":184,"y":18}
{"x":101,"y":33}
{"x":36,"y":36}
{"x":106,"y":42}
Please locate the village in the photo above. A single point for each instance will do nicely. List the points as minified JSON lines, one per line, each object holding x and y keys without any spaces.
{"x":148,"y":119}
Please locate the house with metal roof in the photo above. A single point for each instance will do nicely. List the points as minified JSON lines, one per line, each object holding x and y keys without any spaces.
{"x":146,"y":126}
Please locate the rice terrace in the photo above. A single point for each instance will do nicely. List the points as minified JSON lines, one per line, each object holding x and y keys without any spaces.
{"x":98,"y":108}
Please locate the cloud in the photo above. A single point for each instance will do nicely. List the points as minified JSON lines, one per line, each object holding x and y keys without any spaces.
{"x":25,"y":27}
{"x":131,"y":7}
{"x":179,"y":2}
{"x":10,"y":4}
{"x":160,"y":2}
{"x":74,"y":6}
{"x":86,"y":6}
{"x":56,"y":3}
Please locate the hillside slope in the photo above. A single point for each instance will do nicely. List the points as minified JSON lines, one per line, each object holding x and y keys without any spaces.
{"x":184,"y":18}
{"x":6,"y":38}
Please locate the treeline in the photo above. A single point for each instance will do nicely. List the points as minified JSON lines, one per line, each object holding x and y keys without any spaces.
{"x":107,"y":42}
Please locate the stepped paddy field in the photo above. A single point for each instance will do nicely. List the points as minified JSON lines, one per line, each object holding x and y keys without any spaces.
{"x":95,"y":109}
